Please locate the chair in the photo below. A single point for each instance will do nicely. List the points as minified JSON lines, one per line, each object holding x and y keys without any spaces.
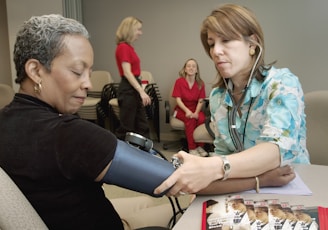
{"x":152,"y":110}
{"x":16,"y":212}
{"x":316,"y":110}
{"x":6,"y":95}
{"x":177,"y":125}
{"x":204,"y":133}
{"x":146,"y":78}
{"x":90,"y":109}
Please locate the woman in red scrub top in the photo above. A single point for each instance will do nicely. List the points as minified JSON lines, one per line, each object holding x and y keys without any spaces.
{"x":189,"y":91}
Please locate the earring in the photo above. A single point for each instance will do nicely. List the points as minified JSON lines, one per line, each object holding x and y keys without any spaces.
{"x":251,"y":51}
{"x":38,"y":87}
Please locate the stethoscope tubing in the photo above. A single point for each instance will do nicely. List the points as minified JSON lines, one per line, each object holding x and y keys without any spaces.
{"x":234,"y":134}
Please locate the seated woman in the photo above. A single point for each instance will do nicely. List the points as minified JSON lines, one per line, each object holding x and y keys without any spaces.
{"x":58,"y":160}
{"x":189,"y":91}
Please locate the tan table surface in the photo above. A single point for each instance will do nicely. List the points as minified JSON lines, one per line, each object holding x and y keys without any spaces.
{"x":314,"y":176}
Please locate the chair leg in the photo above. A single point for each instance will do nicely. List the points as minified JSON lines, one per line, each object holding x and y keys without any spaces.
{"x":176,"y":145}
{"x":101,"y":122}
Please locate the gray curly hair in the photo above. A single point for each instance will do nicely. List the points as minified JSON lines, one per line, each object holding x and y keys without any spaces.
{"x":41,"y":38}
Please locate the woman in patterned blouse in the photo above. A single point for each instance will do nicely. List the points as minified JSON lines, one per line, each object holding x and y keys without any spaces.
{"x":258,"y":111}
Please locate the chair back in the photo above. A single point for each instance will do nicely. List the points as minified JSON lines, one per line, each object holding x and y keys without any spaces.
{"x":147,"y":76}
{"x":16,"y":212}
{"x":6,"y":95}
{"x":316,"y":110}
{"x":91,"y":108}
{"x":99,"y":78}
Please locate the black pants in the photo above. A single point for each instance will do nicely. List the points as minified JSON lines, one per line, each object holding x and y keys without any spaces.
{"x":132,"y":112}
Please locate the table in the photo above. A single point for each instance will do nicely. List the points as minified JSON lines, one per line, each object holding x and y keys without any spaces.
{"x":314,"y":176}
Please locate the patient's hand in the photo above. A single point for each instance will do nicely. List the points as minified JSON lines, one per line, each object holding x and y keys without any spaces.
{"x":277,"y":177}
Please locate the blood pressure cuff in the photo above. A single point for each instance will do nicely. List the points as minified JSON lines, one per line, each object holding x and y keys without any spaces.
{"x":137,"y":170}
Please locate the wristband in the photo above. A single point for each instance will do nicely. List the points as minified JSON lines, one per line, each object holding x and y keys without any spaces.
{"x":226,"y":167}
{"x":257,"y":188}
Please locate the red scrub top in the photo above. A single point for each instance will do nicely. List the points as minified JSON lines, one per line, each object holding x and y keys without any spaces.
{"x":126,"y":53}
{"x":188,"y":96}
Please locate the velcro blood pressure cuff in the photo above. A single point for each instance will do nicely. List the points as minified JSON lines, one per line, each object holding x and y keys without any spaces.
{"x":137,"y":170}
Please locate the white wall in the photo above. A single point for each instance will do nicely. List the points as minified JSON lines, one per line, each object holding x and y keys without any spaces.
{"x":19,"y":11}
{"x":295,"y":34}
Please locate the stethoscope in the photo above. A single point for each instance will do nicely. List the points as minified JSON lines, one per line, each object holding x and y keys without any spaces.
{"x":232,"y":111}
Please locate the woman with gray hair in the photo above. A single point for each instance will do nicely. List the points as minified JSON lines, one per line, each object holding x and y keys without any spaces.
{"x":58,"y":160}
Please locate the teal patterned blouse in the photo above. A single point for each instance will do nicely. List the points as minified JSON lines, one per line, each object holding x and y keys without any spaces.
{"x":272,"y":111}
